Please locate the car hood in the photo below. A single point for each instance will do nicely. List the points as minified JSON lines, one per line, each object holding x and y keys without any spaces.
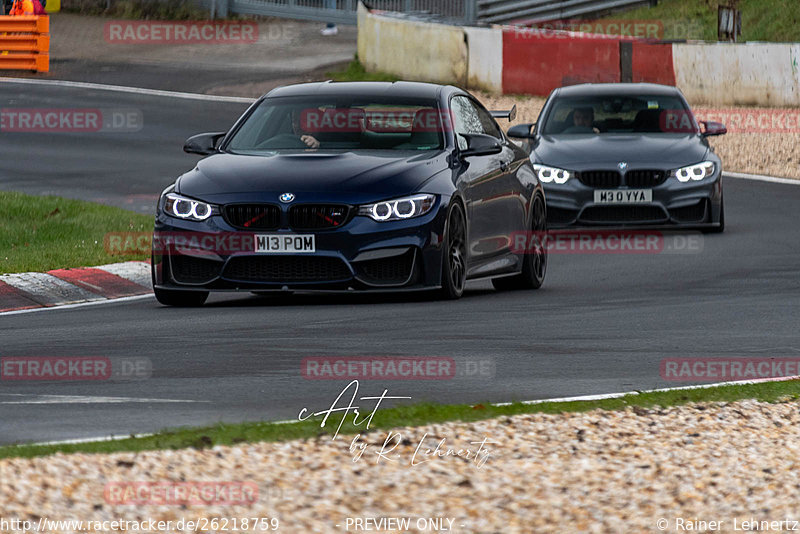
{"x":361,"y":175}
{"x":581,"y":152}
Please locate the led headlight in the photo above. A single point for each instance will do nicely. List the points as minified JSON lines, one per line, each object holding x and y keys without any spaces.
{"x":187,"y":208}
{"x":551,"y":174}
{"x":399,"y":208}
{"x":698,"y":171}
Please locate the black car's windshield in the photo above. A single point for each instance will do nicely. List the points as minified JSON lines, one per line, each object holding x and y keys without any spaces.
{"x":619,"y":114}
{"x":339,"y":123}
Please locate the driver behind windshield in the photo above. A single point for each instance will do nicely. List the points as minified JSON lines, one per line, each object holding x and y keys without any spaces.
{"x":296,"y":137}
{"x":582,"y":121}
{"x":382,"y":124}
{"x":297,"y":129}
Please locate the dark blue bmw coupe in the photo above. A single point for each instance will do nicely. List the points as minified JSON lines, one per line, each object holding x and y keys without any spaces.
{"x":339,"y":186}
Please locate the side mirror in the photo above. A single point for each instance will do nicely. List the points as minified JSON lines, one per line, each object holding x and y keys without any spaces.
{"x":713,"y":128}
{"x":522,"y":131}
{"x":203,"y":144}
{"x":481,"y":145}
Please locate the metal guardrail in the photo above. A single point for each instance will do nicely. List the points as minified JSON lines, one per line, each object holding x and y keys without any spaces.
{"x":451,"y":11}
{"x":506,"y":11}
{"x":345,"y":12}
{"x":25,"y":42}
{"x":466,"y":12}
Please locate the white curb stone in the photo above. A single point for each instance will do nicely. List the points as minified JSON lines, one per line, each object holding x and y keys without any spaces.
{"x":135,"y":271}
{"x":48,"y":289}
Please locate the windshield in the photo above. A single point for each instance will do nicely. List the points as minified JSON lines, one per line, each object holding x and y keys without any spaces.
{"x":619,"y":114}
{"x":339,"y":123}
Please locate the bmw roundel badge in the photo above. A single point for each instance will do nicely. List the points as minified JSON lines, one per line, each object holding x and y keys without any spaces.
{"x":286,"y":198}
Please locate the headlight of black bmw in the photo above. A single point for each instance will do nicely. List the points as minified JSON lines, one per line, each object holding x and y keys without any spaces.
{"x":399,"y":209}
{"x":186,"y":208}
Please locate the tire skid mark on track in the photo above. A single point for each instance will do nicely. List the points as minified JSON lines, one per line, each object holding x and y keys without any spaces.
{"x":82,"y":399}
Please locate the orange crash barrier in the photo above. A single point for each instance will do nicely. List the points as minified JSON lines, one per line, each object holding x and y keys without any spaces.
{"x":25,"y":43}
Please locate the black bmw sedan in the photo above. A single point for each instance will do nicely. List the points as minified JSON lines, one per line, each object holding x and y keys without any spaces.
{"x":627,"y":154}
{"x":351,"y":186}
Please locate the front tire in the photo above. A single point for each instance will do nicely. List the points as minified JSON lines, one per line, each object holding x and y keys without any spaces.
{"x":721,"y":228}
{"x":186,"y":299}
{"x":534,"y":264}
{"x":454,"y":261}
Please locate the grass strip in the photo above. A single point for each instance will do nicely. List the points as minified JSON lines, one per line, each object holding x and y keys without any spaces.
{"x":413,"y":415}
{"x":762,"y":20}
{"x":355,"y":72}
{"x":40,"y":233}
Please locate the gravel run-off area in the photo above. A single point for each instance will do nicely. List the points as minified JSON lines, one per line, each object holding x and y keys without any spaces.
{"x":754,"y":152}
{"x":601,"y":471}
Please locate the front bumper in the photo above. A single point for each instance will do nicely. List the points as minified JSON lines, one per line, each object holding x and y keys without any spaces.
{"x":691,"y":204}
{"x":362,"y":254}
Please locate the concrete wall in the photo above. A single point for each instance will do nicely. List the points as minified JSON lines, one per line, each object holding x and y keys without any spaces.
{"x":485,"y":59}
{"x":765,"y":74}
{"x":412,"y":50}
{"x":505,"y":60}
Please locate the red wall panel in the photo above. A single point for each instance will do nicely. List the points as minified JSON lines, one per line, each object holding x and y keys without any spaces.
{"x":536,"y":63}
{"x":653,"y":63}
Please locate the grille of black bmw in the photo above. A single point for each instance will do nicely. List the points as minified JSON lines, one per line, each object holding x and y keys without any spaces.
{"x":645,"y":178}
{"x":318,"y":216}
{"x":253,"y":216}
{"x":286,"y":269}
{"x":599,"y":178}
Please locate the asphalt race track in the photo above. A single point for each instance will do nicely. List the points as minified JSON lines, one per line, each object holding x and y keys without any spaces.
{"x":124,"y":168}
{"x":601,"y":323}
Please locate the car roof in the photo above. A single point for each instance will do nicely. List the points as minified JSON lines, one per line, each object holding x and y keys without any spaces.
{"x":621,"y":89}
{"x":384,"y":89}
